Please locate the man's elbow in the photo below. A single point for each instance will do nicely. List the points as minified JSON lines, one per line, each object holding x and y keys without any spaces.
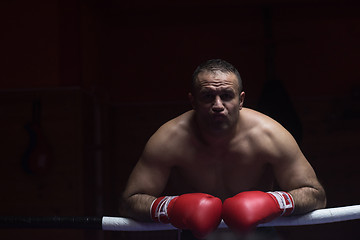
{"x":124,"y":206}
{"x":322,"y":200}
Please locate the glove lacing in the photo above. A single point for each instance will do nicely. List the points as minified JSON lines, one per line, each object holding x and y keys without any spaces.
{"x":285,"y":201}
{"x":161,"y":210}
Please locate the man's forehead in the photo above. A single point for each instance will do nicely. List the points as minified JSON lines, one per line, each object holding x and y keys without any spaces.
{"x":206,"y":89}
{"x":217,"y":79}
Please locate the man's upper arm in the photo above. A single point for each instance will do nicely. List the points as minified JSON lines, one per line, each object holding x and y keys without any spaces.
{"x":147,"y":178}
{"x":295,"y":175}
{"x":151,"y":172}
{"x":292,"y":170}
{"x":295,"y":172}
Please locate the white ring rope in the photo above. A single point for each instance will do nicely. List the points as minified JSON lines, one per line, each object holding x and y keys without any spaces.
{"x":327,"y":215}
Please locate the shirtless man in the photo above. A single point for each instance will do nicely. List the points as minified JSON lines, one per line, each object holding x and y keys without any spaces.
{"x":219,"y":153}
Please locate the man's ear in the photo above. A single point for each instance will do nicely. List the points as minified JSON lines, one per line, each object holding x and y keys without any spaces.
{"x":192,"y":100}
{"x":242,"y":99}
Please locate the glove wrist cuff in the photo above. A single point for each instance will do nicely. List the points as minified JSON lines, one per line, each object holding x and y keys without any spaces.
{"x":159,"y":209}
{"x":285,"y":202}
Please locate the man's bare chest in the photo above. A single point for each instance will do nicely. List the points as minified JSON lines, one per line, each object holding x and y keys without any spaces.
{"x":223,"y":175}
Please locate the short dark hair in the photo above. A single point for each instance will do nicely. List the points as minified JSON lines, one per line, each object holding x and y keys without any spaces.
{"x":213,"y":65}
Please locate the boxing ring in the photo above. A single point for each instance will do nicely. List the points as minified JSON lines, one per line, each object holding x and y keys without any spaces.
{"x":321,"y":216}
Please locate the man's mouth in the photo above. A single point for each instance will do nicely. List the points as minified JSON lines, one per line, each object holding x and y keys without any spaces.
{"x":218,"y":116}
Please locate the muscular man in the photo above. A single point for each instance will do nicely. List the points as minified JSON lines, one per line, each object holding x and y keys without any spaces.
{"x":220,"y":151}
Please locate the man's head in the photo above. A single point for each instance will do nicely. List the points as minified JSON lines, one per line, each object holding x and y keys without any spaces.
{"x":212,"y":66}
{"x":217,"y":96}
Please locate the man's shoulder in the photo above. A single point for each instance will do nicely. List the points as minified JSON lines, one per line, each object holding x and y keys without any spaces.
{"x":262,"y":130}
{"x":258,"y":122}
{"x":176,"y":126}
{"x":269,"y":136}
{"x":171,"y":135}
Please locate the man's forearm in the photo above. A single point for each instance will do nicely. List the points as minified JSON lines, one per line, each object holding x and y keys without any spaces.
{"x":137,"y":207}
{"x":308,"y":198}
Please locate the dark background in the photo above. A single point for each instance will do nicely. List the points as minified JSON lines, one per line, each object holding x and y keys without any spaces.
{"x":106,"y":74}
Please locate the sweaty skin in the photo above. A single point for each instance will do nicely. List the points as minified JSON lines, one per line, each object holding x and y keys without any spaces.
{"x":220,"y":148}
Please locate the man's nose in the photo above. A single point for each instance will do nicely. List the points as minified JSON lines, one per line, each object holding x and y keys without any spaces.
{"x":218,"y":105}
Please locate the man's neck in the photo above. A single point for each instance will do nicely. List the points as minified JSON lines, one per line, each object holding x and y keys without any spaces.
{"x":216,"y":138}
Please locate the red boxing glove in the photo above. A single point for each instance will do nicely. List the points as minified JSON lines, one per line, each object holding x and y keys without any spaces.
{"x":198,"y":212}
{"x":246,"y":210}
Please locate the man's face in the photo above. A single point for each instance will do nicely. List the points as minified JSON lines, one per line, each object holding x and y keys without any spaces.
{"x":217,"y":101}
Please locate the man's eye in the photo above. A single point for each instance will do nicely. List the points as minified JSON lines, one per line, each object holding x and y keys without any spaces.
{"x":207,"y":97}
{"x":227,"y":96}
